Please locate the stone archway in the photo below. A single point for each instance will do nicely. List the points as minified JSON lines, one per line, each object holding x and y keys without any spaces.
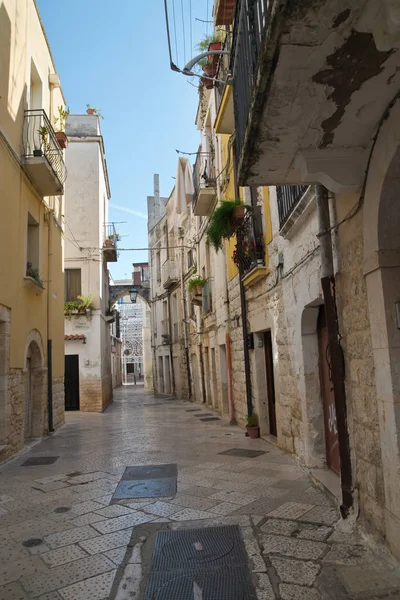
{"x":35,"y":387}
{"x":382,"y":272}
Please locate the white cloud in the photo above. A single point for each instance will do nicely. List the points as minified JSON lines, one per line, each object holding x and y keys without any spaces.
{"x":129,"y":210}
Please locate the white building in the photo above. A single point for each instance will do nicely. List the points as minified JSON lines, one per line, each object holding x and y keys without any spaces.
{"x":90,"y":242}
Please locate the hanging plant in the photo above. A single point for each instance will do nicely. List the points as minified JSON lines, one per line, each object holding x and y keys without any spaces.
{"x":224,"y":221}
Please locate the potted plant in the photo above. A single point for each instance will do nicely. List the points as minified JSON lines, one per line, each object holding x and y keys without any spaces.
{"x":195,"y":285}
{"x":90,"y":110}
{"x":252,"y":426}
{"x":59,"y":124}
{"x":85,"y":303}
{"x":33,"y":274}
{"x":208,"y":70}
{"x":224,"y":221}
{"x":44,"y":141}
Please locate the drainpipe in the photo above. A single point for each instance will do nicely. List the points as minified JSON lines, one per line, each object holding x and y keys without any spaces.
{"x":203,"y":381}
{"x":49,"y":341}
{"x":184,"y":313}
{"x":246,"y":352}
{"x":171,"y":350}
{"x":336,"y":355}
{"x":232,"y":418}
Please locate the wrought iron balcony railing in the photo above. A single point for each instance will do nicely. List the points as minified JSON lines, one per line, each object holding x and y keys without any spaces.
{"x":248,"y":32}
{"x":204,"y":182}
{"x":40,"y":142}
{"x":223,"y":72}
{"x":111,"y":238}
{"x":288,"y":196}
{"x":250,"y":248}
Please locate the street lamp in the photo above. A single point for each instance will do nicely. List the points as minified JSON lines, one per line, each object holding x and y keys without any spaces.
{"x":133,"y":295}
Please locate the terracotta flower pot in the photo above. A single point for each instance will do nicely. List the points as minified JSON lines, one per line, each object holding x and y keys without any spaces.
{"x":62,"y":139}
{"x":254,"y":432}
{"x":210,"y":70}
{"x":91,"y":111}
{"x":108,"y":243}
{"x":239,"y":212}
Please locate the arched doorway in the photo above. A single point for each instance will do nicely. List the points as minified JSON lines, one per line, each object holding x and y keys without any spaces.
{"x":35,"y":388}
{"x":382,"y":272}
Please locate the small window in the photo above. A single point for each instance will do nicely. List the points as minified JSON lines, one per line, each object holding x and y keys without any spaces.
{"x":72,"y":284}
{"x":32,"y":255}
{"x":158,"y":266}
{"x":190,"y":259}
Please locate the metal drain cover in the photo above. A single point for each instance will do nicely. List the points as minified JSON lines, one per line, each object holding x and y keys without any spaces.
{"x":224,"y":584}
{"x":39,"y":460}
{"x":206,"y":564}
{"x":203,"y":414}
{"x":195,"y":547}
{"x":243,"y":452}
{"x":149,"y":488}
{"x":210,"y":419}
{"x":150,"y":472}
{"x":193,"y":410}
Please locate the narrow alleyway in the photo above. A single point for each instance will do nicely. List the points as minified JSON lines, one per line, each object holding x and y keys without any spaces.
{"x":62,"y":538}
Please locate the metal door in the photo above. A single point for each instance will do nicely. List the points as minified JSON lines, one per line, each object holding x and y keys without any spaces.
{"x":328,"y":397}
{"x":71,"y":382}
{"x":269,"y":366}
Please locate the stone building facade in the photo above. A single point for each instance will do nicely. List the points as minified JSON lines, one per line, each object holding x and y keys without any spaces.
{"x":32,"y":167}
{"x":91,"y":242}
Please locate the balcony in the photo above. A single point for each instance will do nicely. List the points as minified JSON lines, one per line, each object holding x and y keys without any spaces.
{"x":310,"y":86}
{"x":249,"y":254}
{"x":111,"y":238}
{"x":42,"y":156}
{"x":204,"y":180}
{"x":288,"y":198}
{"x":169,"y":273}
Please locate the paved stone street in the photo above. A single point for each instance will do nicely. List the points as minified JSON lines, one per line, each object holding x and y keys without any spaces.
{"x":62,"y":538}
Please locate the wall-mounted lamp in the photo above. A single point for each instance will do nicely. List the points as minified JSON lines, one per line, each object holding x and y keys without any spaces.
{"x":397,"y":306}
{"x":133,"y":295}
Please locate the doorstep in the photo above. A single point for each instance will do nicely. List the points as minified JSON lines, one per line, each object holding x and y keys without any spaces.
{"x":329,"y":481}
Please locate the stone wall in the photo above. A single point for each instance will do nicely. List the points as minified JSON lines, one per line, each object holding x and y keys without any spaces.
{"x":236,"y":333}
{"x":58,"y":402}
{"x":95,"y":394}
{"x":360,"y":374}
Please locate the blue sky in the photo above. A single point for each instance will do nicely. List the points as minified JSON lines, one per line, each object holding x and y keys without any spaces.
{"x":114,"y":56}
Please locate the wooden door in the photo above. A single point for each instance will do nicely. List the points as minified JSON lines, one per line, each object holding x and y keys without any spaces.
{"x":328,"y":397}
{"x":269,"y":367}
{"x":71,"y":382}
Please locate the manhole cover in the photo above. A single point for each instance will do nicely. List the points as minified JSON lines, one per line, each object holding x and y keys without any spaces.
{"x":149,"y":488}
{"x":62,"y":509}
{"x":32,"y":542}
{"x":150,"y":472}
{"x":74,"y":474}
{"x":203,"y":414}
{"x":210,"y":419}
{"x":197,"y":547}
{"x":243,"y":452}
{"x":224,"y":585}
{"x":40,"y":460}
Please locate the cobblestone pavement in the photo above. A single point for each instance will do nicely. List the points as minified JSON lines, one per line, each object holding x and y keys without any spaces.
{"x":62,"y":538}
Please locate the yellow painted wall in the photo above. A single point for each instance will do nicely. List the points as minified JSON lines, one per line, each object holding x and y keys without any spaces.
{"x":22,"y":41}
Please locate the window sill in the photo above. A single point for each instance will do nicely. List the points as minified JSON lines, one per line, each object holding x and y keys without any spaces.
{"x":257,"y":273}
{"x":33,"y":285}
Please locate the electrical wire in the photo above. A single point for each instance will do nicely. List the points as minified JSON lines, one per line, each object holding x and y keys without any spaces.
{"x":184,"y":33}
{"x":176,"y":39}
{"x":191,"y":28}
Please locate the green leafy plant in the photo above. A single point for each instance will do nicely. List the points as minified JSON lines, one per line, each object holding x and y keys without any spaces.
{"x":80,"y":303}
{"x":217,"y":36}
{"x":196,"y":282}
{"x":85,"y":301}
{"x":59,"y":122}
{"x":33,"y":273}
{"x":220,"y":227}
{"x":252,"y":420}
{"x":95,"y":111}
{"x":44,"y":137}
